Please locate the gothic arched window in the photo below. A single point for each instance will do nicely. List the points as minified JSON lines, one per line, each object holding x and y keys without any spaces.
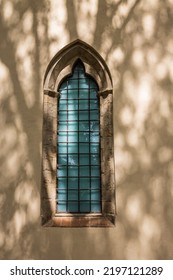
{"x":78,"y":152}
{"x":78,"y":186}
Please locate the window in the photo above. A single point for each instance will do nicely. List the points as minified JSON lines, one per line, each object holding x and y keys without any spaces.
{"x":78,"y":187}
{"x":78,"y":153}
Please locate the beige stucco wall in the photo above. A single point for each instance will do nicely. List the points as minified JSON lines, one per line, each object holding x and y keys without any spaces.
{"x":135,"y":39}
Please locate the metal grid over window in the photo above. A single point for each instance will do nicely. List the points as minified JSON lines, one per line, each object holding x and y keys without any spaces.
{"x":78,"y":146}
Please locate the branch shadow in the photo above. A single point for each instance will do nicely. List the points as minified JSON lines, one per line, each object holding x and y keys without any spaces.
{"x":21,"y":120}
{"x":141,"y":68}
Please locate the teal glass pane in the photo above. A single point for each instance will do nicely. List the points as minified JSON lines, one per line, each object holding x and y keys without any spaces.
{"x":95,"y":207}
{"x":84,"y":171}
{"x":72,"y":195}
{"x":94,"y":137}
{"x":72,"y":207}
{"x":62,"y":195}
{"x":85,"y":207}
{"x":62,"y":171}
{"x":62,"y":126}
{"x":81,"y":72}
{"x":62,"y":206}
{"x":73,"y":136}
{"x":84,"y":94}
{"x":72,"y":183}
{"x":84,"y":136}
{"x":84,"y":183}
{"x":62,"y":137}
{"x":93,"y":94}
{"x":94,"y":115}
{"x":95,"y":160}
{"x":83,"y":105}
{"x":84,"y":83}
{"x":72,"y":160}
{"x":84,"y":126}
{"x":95,"y":195}
{"x":72,"y":116}
{"x":84,"y":148}
{"x":75,"y":73}
{"x":93,"y":104}
{"x":63,"y":160}
{"x":73,"y":171}
{"x":72,"y":94}
{"x":84,"y":159}
{"x":72,"y":105}
{"x":95,"y":171}
{"x":78,"y":150}
{"x":62,"y":116}
{"x":94,"y":148}
{"x":84,"y":195}
{"x":63,"y":104}
{"x":84,"y":116}
{"x":94,"y":126}
{"x":62,"y":183}
{"x":73,"y":126}
{"x":62,"y":148}
{"x":72,"y":148}
{"x":95,"y":183}
{"x":73,"y":84}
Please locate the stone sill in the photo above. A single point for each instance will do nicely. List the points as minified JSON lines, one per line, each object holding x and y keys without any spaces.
{"x":88,"y":220}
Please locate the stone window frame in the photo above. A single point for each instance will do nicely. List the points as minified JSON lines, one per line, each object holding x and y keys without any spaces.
{"x":60,"y":67}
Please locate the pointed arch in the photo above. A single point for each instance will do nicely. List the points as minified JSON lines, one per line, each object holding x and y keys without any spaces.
{"x":60,"y":67}
{"x":62,"y":63}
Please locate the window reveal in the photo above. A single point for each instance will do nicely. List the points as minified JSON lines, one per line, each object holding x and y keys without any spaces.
{"x":78,"y":147}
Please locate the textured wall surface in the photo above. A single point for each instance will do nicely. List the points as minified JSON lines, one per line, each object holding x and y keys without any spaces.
{"x":135,"y":39}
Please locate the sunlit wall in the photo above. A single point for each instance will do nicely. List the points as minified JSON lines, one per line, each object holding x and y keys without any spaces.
{"x":135,"y":39}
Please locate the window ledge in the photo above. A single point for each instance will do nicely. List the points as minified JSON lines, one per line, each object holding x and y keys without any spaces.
{"x":80,"y":220}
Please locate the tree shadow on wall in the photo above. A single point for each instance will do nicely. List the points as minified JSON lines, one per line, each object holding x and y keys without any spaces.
{"x":140,"y":65}
{"x":21,"y":52}
{"x":143,"y":145}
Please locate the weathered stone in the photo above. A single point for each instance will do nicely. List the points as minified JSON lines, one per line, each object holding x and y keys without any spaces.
{"x":108,"y":207}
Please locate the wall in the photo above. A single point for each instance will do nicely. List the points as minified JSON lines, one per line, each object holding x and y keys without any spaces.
{"x":135,"y":39}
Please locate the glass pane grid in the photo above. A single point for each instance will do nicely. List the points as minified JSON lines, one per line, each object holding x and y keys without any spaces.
{"x":78,"y":174}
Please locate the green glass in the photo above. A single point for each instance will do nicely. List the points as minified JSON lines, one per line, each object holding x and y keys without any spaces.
{"x":78,"y":147}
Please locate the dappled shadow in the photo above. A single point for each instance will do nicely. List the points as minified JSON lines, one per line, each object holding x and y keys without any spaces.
{"x":21,"y":122}
{"x":143,"y":134}
{"x":135,"y":39}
